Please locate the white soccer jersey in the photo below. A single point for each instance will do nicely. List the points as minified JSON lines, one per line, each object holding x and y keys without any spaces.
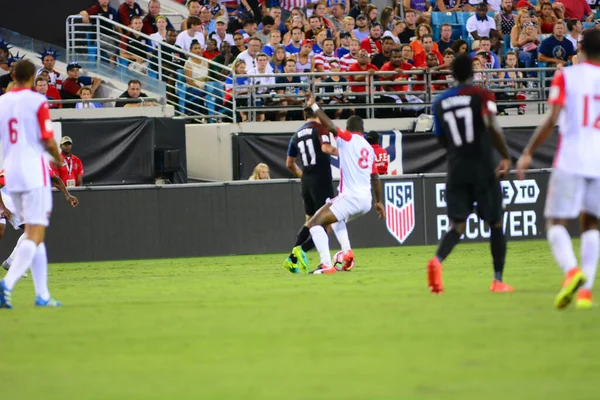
{"x":24,"y":123}
{"x":577,"y":90}
{"x":357,"y":163}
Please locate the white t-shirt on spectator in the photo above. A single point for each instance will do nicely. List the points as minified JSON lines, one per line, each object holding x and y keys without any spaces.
{"x":228,"y":38}
{"x":185,"y":41}
{"x":250,"y":62}
{"x":389,"y":34}
{"x":495,"y":5}
{"x":156,"y":39}
{"x":481,"y":27}
{"x":262,"y":84}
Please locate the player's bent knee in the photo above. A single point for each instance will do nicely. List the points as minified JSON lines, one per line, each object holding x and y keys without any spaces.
{"x":459,"y":226}
{"x":588,"y":222}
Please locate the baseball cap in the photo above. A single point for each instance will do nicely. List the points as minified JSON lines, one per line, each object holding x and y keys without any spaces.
{"x":72,"y":65}
{"x":522,"y":3}
{"x":66,"y":139}
{"x":41,"y":71}
{"x":307,"y":41}
{"x":361,"y":16}
{"x":345,"y":34}
{"x":222,"y":20}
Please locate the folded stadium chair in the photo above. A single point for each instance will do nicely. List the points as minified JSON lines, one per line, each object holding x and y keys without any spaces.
{"x":439,"y":18}
{"x":507,"y":45}
{"x":180,"y":90}
{"x":457,"y":32}
{"x":597,"y":13}
{"x":588,"y":25}
{"x":462,"y":17}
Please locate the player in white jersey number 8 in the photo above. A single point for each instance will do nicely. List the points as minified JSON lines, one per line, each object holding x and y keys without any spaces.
{"x":358,"y":177}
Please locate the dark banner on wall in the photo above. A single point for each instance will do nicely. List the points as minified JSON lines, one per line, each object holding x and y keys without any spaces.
{"x":122,"y":151}
{"x":416,"y":152}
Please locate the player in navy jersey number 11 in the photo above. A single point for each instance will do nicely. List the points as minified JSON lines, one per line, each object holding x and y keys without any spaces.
{"x":465,"y":123}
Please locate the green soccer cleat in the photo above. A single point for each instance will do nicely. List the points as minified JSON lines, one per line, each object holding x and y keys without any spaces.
{"x":290,"y":266}
{"x":573,"y":281}
{"x":302,"y":259}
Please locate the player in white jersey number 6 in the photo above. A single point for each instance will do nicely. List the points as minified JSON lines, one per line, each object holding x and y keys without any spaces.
{"x":26,"y":134}
{"x":574,"y":187}
{"x":358,"y":177}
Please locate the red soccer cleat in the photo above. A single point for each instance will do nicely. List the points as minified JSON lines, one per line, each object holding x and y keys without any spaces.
{"x":434,"y":276}
{"x":348,"y":261}
{"x":324,"y":270}
{"x":500,"y":287}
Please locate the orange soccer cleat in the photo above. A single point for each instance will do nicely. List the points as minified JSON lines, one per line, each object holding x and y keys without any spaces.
{"x":324,"y":270}
{"x":434,"y":276}
{"x":348,"y":261}
{"x":500,"y":287}
{"x":584,"y":299}
{"x":573,"y":281}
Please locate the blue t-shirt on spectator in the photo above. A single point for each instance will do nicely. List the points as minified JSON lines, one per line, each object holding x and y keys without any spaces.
{"x":290,"y":48}
{"x":278,"y":68}
{"x":551,"y":47}
{"x":317,"y":49}
{"x":494,"y":64}
{"x":361,"y":35}
{"x":341,"y":52}
{"x":268,"y":50}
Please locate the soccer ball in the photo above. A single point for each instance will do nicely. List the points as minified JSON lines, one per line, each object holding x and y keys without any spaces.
{"x":338,"y":262}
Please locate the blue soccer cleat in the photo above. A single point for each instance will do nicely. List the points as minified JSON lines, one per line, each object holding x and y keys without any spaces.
{"x":39,"y":302}
{"x":5,"y":296}
{"x":291,"y":266}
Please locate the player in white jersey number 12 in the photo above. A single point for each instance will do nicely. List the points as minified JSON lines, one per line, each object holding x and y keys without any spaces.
{"x":26,"y":134}
{"x":574,"y":187}
{"x":358,"y":177}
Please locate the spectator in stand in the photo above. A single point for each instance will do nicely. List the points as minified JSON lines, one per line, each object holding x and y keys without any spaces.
{"x":528,"y":42}
{"x":387,"y":19}
{"x":254,"y":8}
{"x":238,"y":44}
{"x":268,"y":25}
{"x":194,"y":32}
{"x":428,"y":48}
{"x":372,"y":13}
{"x":446,"y":41}
{"x":73,"y":84}
{"x":208,"y":24}
{"x":547,"y":19}
{"x":319,"y":39}
{"x":160,"y":35}
{"x":421,"y":7}
{"x":193,"y":7}
{"x":261,"y":172}
{"x":133,"y":92}
{"x":109,"y":39}
{"x":292,"y":91}
{"x":397,"y":29}
{"x":215,"y":9}
{"x":86,"y":94}
{"x":249,"y":56}
{"x":362,"y":28}
{"x":335,"y":94}
{"x":460,"y":47}
{"x":249,"y":28}
{"x":505,"y":20}
{"x":5,"y":54}
{"x":362,"y":65}
{"x":215,"y":86}
{"x":71,"y":172}
{"x":409,"y":33}
{"x":325,"y":23}
{"x":323,"y":59}
{"x":150,"y":19}
{"x":287,"y":6}
{"x":7,"y":80}
{"x":491,"y":61}
{"x":408,"y":54}
{"x":52,"y":91}
{"x":305,"y":60}
{"x":128,"y":9}
{"x":372,"y":43}
{"x":556,"y":50}
{"x":274,"y":42}
{"x":578,"y":9}
{"x":196,"y":75}
{"x":277,"y":61}
{"x":481,"y":25}
{"x":315,"y":27}
{"x":359,"y":8}
{"x":511,"y":82}
{"x":41,"y":86}
{"x":381,"y":155}
{"x":348,"y":25}
{"x":559,"y":10}
{"x":396,"y":66}
{"x":387,"y":44}
{"x":220,"y":34}
{"x":352,"y":57}
{"x":275,"y":12}
{"x":344,"y":48}
{"x":262,"y":83}
{"x":517,"y":34}
{"x":241,"y":87}
{"x":346,"y":4}
{"x":296,"y":18}
{"x":575,"y":30}
{"x":448,"y":5}
{"x":417,"y":44}
{"x":49,"y":61}
{"x":337,"y":16}
{"x":211,"y":49}
{"x":173,"y":60}
{"x":135,"y":48}
{"x":297,"y":23}
{"x":297,"y":36}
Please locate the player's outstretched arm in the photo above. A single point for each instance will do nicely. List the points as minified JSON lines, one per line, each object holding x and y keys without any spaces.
{"x":60,"y":185}
{"x":539,"y":136}
{"x":325,"y":120}
{"x":378,"y":192}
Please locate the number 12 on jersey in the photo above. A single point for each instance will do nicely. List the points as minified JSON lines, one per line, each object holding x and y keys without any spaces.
{"x":451,"y":117}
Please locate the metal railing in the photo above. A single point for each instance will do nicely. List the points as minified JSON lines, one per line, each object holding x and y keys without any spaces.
{"x":104,"y":45}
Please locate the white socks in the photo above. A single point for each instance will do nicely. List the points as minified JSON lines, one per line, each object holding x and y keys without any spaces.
{"x":321,"y":241}
{"x":12,"y":255}
{"x":562,"y":248}
{"x":24,"y":254}
{"x":341,"y":233}
{"x":590,"y":252}
{"x":39,"y":272}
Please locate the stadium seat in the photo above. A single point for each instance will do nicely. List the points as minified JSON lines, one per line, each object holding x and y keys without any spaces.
{"x":507,"y":44}
{"x":180,"y":90}
{"x":439,"y":18}
{"x":462,"y":17}
{"x":588,"y":25}
{"x":597,"y":13}
{"x":457,"y":32}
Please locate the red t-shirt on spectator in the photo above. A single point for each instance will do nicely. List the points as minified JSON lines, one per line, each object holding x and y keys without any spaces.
{"x":210,"y":56}
{"x":421,"y":58}
{"x":70,"y":171}
{"x":403,"y":66}
{"x":54,"y":94}
{"x":576,"y":8}
{"x":352,"y":78}
{"x":366,"y":45}
{"x":381,"y":159}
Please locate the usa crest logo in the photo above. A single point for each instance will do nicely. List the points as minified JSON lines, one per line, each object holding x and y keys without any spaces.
{"x":400,"y":209}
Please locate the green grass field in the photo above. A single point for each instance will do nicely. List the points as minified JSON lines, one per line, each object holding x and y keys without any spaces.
{"x":244,"y":328}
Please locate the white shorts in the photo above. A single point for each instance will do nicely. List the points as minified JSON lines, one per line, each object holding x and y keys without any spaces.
{"x":34,"y":206}
{"x":570,"y":194}
{"x":16,"y":220}
{"x":346,"y":207}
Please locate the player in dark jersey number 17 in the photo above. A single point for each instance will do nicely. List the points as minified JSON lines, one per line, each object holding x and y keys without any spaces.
{"x":312,"y":144}
{"x":465,"y":123}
